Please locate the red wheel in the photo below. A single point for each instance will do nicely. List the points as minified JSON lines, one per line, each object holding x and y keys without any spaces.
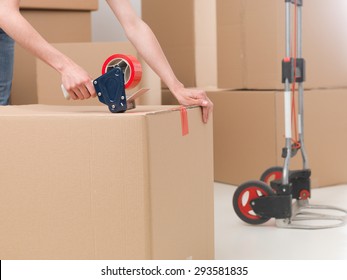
{"x":131,"y":68}
{"x":243,"y":197}
{"x":271,"y":174}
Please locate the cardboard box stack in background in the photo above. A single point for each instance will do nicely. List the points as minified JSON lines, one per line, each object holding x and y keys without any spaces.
{"x":249,"y":49}
{"x":82,"y":183}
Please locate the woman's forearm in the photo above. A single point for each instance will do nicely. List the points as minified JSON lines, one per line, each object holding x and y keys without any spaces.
{"x":17,"y":27}
{"x":75,"y":79}
{"x":144,"y":40}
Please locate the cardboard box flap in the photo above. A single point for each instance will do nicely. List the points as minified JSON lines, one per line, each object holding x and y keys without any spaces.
{"x":88,"y":111}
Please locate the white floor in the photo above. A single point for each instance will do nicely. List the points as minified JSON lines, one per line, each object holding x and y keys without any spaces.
{"x":236,"y":240}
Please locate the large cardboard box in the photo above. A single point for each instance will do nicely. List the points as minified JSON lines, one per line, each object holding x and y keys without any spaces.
{"x":249,"y":135}
{"x":251,"y":38}
{"x":60,"y":4}
{"x":55,"y":26}
{"x":82,"y":183}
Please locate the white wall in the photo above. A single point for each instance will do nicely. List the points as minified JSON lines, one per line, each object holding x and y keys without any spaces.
{"x":105,"y":26}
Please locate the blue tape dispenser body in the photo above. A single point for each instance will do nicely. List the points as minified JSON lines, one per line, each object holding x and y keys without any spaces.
{"x":110,"y":89}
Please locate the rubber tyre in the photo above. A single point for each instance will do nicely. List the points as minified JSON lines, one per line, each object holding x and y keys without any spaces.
{"x":271,"y":174}
{"x":243,"y":196}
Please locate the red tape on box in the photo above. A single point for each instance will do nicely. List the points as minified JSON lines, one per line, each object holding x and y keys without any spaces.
{"x":184,"y":121}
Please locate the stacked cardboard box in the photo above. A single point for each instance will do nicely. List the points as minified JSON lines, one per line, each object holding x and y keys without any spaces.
{"x":82,"y":183}
{"x":249,"y":122}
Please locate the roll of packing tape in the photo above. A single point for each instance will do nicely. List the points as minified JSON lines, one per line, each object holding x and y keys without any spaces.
{"x":131,"y":68}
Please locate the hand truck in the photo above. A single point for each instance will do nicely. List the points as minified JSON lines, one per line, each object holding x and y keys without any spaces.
{"x":119,"y":72}
{"x":281,"y":193}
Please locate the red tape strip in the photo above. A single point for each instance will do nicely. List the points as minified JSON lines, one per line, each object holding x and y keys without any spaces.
{"x":184,"y":121}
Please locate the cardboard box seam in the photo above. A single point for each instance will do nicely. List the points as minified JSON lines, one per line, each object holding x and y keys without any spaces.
{"x":149,"y":214}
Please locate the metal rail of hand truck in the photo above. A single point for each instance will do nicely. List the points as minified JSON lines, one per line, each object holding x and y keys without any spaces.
{"x":281,"y":193}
